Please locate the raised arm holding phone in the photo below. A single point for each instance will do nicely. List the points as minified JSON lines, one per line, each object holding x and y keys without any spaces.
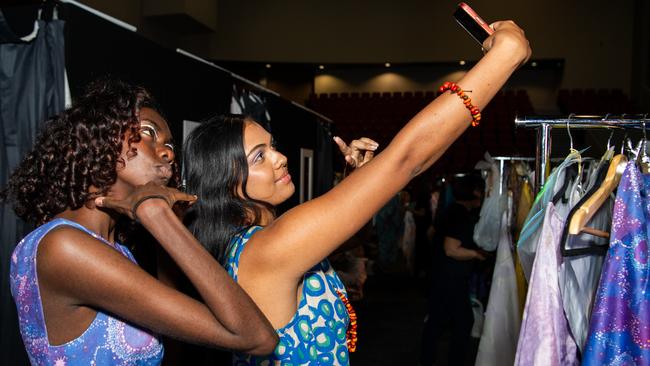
{"x":232,"y":164}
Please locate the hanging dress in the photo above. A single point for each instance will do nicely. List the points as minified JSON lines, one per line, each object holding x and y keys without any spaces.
{"x":488,"y":228}
{"x":579,"y":274}
{"x":530,"y":233}
{"x":544,"y":337}
{"x":523,"y":208}
{"x":502,"y":318}
{"x":619,"y":329}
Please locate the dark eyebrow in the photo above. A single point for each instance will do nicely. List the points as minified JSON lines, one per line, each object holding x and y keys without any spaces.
{"x":255,"y":148}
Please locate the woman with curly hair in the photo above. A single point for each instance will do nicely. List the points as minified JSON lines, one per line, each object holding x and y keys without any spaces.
{"x":231,"y":163}
{"x":81,"y":298}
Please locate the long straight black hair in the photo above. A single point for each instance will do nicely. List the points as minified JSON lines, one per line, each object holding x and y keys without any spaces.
{"x":215,"y":165}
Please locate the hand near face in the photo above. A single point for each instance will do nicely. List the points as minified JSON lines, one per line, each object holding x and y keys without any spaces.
{"x":358,"y":152}
{"x":138,"y":200}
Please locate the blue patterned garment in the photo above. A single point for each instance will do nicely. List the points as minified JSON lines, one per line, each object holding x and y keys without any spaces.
{"x":107,"y":341}
{"x":619,"y":331}
{"x":316,"y":335}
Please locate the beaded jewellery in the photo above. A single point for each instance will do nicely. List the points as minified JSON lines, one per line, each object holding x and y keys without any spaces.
{"x":351,"y":334}
{"x":455,"y":88}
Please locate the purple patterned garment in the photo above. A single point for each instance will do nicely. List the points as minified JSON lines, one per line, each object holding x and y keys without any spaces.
{"x":544,"y":337}
{"x":619,"y":332}
{"x":107,"y":341}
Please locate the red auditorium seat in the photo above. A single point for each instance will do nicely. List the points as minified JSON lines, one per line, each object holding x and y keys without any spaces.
{"x":380,"y":115}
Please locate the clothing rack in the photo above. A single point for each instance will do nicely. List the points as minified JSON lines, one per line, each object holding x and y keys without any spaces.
{"x":544,"y":125}
{"x":502,"y":161}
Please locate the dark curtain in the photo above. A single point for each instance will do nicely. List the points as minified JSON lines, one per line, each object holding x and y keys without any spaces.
{"x":323,"y":165}
{"x":293,"y":128}
{"x":31,"y":90}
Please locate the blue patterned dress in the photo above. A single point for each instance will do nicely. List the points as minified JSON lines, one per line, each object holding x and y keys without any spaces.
{"x":619,"y":331}
{"x":316,"y":335}
{"x":107,"y":341}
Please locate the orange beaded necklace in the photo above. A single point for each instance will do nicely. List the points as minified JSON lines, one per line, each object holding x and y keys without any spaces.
{"x":351,"y":334}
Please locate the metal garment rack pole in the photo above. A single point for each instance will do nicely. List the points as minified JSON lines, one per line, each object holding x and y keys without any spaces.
{"x":502,"y":161}
{"x":544,"y":125}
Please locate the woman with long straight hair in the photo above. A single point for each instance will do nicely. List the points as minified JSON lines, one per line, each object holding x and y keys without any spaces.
{"x":232,"y":164}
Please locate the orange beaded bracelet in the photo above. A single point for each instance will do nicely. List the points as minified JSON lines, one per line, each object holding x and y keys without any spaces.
{"x":455,"y":88}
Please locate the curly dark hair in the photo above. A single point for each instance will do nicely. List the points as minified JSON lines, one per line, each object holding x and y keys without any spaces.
{"x":78,"y":149}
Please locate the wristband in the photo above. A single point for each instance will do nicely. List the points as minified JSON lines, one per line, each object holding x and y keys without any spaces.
{"x":134,"y":209}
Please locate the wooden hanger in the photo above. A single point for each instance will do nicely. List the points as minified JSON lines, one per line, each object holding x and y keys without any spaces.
{"x":589,"y":208}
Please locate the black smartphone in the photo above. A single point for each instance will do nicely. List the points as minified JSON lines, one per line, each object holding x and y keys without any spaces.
{"x":473,"y":24}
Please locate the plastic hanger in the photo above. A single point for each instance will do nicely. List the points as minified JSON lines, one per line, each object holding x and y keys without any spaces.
{"x":587,"y":210}
{"x":572,"y":172}
{"x":594,"y":249}
{"x":642,"y":158}
{"x":571,"y":148}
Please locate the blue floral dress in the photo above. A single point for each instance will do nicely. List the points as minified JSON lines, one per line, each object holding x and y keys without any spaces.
{"x":107,"y":341}
{"x":316,"y":335}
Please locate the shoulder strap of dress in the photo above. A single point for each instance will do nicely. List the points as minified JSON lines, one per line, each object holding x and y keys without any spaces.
{"x":236,"y":246}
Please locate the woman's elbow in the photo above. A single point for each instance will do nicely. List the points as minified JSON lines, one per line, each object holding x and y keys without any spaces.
{"x":449,"y":252}
{"x":256,"y":342}
{"x":264,"y":343}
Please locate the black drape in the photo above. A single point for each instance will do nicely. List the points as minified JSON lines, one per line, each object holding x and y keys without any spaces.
{"x":324,"y":166}
{"x":31,"y":89}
